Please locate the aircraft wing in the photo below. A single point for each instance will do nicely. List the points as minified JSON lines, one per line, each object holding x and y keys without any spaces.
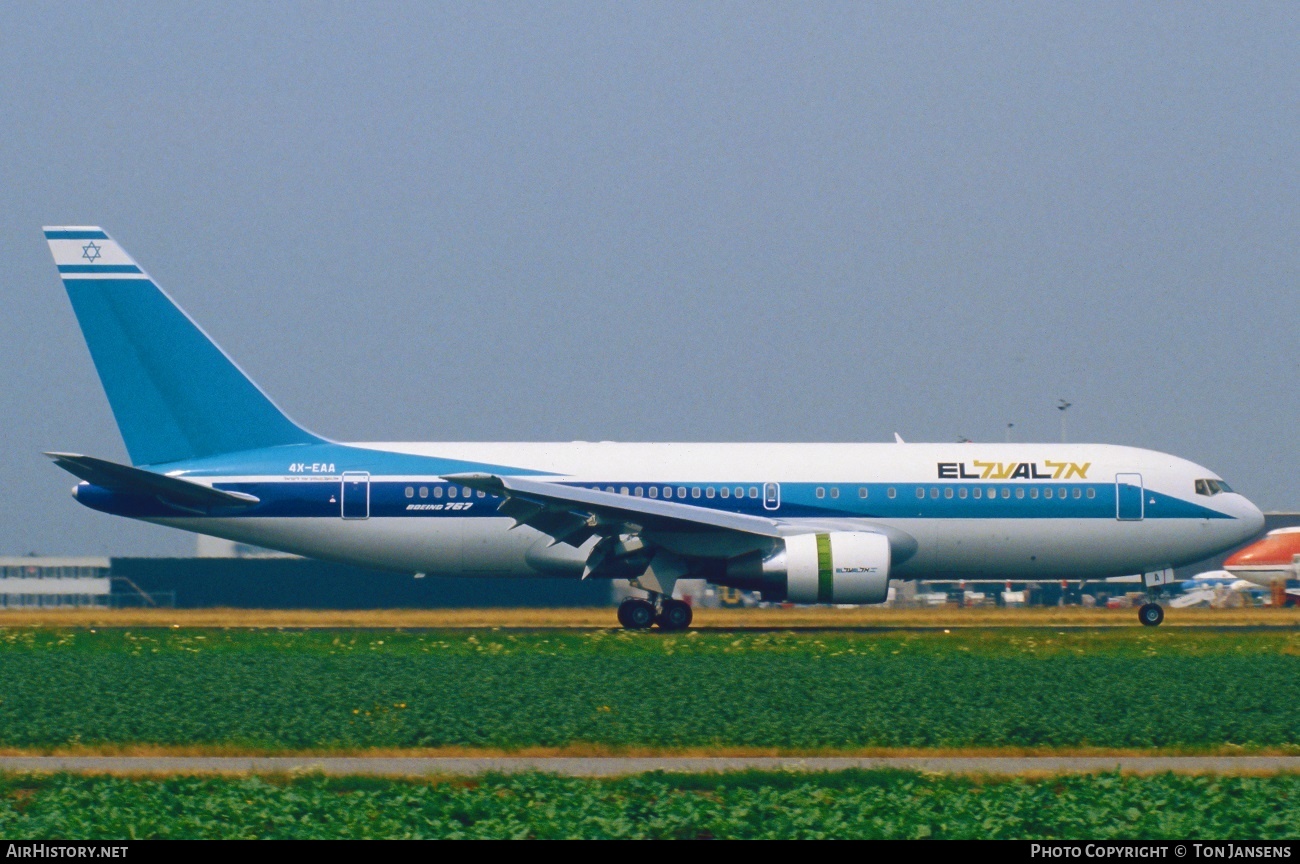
{"x":174,"y":490}
{"x":638,"y":533}
{"x":646,"y":540}
{"x":572,"y":514}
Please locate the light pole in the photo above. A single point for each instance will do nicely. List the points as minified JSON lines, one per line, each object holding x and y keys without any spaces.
{"x":1063,"y":406}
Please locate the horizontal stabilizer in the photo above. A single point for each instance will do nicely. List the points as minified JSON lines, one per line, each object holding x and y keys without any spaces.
{"x":123,"y":478}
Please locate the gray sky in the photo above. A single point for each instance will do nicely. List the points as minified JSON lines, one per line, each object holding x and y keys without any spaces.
{"x":750,"y":221}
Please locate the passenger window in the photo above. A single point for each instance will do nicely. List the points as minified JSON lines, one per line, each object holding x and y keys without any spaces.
{"x":1047,"y":493}
{"x":695,"y":491}
{"x":920,"y":491}
{"x":654,"y":492}
{"x":835,"y":491}
{"x":934,"y":492}
{"x":410,"y":492}
{"x":637,"y":492}
{"x":740,"y":491}
{"x":1006,"y":492}
{"x":961,"y":493}
{"x":708,"y":492}
{"x":1078,"y":493}
{"x":725,"y":491}
{"x":1033,"y":493}
{"x":681,"y":491}
{"x":424,"y":491}
{"x":891,"y":492}
{"x":437,"y":491}
{"x":482,"y":494}
{"x":977,"y":492}
{"x":947,"y":492}
{"x":1092,"y":493}
{"x":668,"y":491}
{"x":821,"y":493}
{"x":862,"y":491}
{"x":622,"y":490}
{"x":1020,"y":491}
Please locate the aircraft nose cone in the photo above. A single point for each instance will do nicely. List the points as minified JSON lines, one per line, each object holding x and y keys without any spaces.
{"x":1252,"y":520}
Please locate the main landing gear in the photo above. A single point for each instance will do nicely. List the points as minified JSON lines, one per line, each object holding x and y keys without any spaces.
{"x":637,"y":614}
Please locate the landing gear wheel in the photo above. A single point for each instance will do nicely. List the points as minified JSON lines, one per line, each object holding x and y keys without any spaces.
{"x":675,"y":615}
{"x":1151,"y":614}
{"x":636,"y":614}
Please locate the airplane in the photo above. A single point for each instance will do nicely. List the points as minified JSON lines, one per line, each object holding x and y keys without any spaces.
{"x":805,"y":523}
{"x":1218,"y":579}
{"x":1210,"y":586}
{"x":1275,"y":558}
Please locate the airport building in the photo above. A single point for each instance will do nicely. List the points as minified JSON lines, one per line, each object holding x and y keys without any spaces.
{"x":49,"y":582}
{"x":231,"y":575}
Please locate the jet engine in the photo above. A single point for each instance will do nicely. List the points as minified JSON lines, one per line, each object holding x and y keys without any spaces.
{"x":839,"y":567}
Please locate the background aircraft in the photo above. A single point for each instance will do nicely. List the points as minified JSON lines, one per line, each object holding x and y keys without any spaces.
{"x":1273,"y":559}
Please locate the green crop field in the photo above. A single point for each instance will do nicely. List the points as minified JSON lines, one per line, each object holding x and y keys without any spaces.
{"x":317,"y":690}
{"x":845,"y":804}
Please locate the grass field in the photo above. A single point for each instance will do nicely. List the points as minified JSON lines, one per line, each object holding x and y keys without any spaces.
{"x":748,"y":805}
{"x":813,"y":617}
{"x":347,"y":690}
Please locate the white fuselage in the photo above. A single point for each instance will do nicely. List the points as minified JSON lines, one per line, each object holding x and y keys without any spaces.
{"x":1029,"y":511}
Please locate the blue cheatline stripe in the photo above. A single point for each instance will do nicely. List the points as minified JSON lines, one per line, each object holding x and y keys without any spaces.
{"x":388,"y":499}
{"x":99,"y":268}
{"x":75,"y":235}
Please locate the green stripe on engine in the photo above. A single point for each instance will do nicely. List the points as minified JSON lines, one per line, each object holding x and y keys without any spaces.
{"x":825,"y":571}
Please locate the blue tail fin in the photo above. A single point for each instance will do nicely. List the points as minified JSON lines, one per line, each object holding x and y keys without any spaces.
{"x":174,"y":393}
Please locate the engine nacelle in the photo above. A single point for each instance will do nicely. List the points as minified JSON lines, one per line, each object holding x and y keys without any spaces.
{"x":839,"y":567}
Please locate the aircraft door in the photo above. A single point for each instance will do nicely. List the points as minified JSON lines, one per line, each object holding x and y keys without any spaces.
{"x":355,"y":495}
{"x":1129,"y":496}
{"x":771,"y":496}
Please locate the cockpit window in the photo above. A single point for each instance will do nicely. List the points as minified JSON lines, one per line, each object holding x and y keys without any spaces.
{"x":1211,"y":487}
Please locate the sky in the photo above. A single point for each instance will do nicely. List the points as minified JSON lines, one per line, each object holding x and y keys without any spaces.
{"x":668,"y":221}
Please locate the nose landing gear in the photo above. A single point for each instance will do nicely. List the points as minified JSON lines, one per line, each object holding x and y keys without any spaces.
{"x":1151,"y":614}
{"x":671,"y":615}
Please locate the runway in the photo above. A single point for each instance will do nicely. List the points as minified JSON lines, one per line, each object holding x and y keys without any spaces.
{"x":613,"y":766}
{"x":857,"y":619}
